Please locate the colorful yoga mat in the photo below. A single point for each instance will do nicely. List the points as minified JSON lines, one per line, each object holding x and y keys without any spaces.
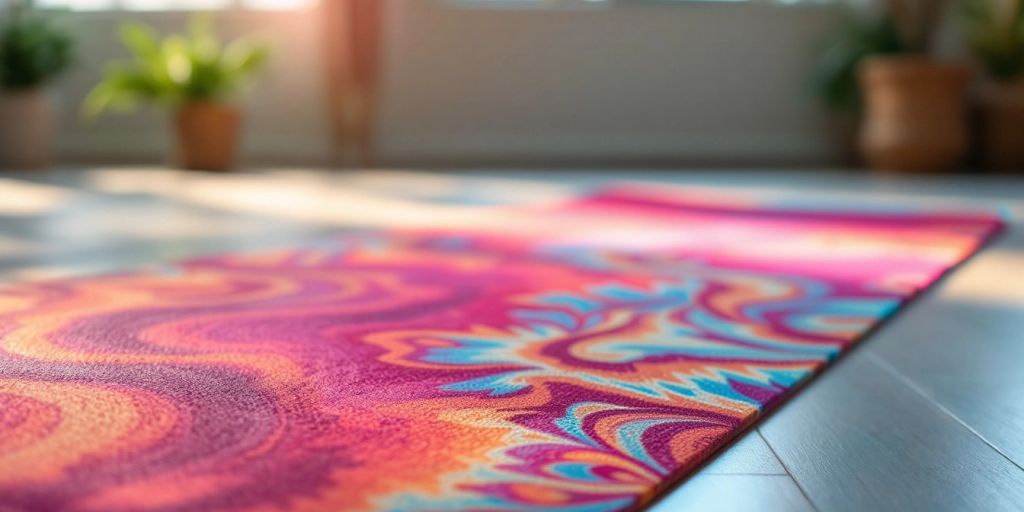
{"x":582,"y":362}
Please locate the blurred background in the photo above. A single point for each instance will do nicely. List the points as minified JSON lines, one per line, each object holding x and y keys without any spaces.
{"x":459,"y":83}
{"x":322,"y":114}
{"x":138,"y":132}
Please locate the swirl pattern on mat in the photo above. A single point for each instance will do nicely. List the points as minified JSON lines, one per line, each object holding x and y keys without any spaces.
{"x":579,"y":366}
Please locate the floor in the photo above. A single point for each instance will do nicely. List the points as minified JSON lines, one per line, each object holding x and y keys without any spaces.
{"x":927,"y":414}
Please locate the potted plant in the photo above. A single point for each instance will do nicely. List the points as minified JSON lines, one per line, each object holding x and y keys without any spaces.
{"x":835,"y":76}
{"x":912,"y":105}
{"x":194,"y":76}
{"x":33,"y":50}
{"x":995,"y":32}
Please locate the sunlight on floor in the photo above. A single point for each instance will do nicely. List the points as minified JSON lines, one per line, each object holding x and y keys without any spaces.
{"x":318,"y":198}
{"x":998,"y":281}
{"x":24,"y":198}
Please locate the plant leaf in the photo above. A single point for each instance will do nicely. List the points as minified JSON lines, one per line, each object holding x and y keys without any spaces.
{"x":185,"y":67}
{"x":142,"y":40}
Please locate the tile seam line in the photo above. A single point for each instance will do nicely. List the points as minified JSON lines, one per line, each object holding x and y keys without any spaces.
{"x":789,"y":473}
{"x":938,"y":405}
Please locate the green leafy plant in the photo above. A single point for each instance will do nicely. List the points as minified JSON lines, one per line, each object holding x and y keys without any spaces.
{"x":995,"y":32}
{"x":899,"y":27}
{"x":917,"y":21}
{"x":33,"y":48}
{"x":856,"y":37}
{"x":190,"y":67}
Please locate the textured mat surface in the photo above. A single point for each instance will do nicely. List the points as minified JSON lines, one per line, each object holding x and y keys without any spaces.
{"x":583,"y":361}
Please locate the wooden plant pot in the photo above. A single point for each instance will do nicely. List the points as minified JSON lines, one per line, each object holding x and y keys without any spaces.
{"x":26,"y":129}
{"x":1002,"y":137}
{"x":207,"y":135}
{"x":915,"y":114}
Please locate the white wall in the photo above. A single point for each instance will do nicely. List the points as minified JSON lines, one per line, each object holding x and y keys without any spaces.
{"x":639,"y":82}
{"x":642,"y":82}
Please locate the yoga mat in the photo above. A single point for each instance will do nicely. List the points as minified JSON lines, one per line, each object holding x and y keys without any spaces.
{"x":584,"y":358}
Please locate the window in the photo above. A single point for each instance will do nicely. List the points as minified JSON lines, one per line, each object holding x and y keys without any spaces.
{"x":172,"y":5}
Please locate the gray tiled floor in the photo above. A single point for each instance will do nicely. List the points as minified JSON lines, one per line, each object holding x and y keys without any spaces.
{"x":927,"y":414}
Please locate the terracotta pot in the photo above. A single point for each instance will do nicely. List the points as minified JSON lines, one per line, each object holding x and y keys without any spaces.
{"x":915,"y":114}
{"x":207,"y":135}
{"x":1002,"y":138}
{"x":26,"y":129}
